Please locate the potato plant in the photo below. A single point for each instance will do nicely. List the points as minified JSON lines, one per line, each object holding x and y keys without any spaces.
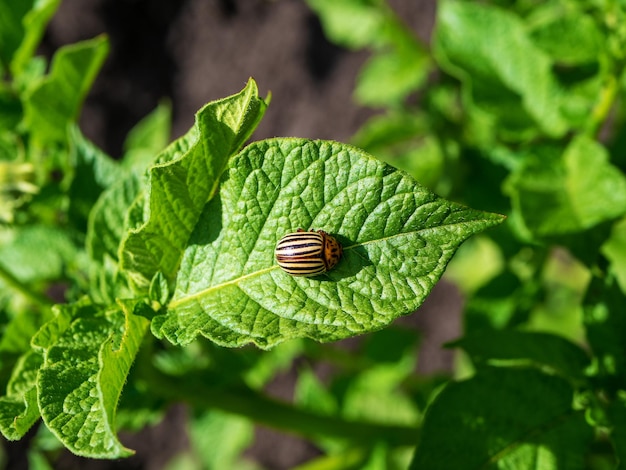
{"x":129,"y":285}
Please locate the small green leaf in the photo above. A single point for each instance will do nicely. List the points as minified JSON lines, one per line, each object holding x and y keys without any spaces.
{"x":389,"y":77}
{"x":311,"y":394}
{"x":159,"y":290}
{"x":218,"y":439}
{"x":55,"y":102}
{"x":508,"y":78}
{"x":184,"y":181}
{"x":558,"y":194}
{"x":502,"y":347}
{"x":374,"y":394}
{"x":88,"y":352}
{"x":351,"y":23}
{"x":397,"y":238}
{"x":504,"y":418}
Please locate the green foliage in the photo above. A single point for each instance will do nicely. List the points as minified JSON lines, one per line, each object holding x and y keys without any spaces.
{"x":185,"y":178}
{"x":52,"y":103}
{"x":397,"y":237}
{"x":568,"y":192}
{"x":181,"y":237}
{"x":516,"y":119}
{"x":87,"y":353}
{"x":400,"y":63}
{"x":124,"y":285}
{"x":546,"y":430}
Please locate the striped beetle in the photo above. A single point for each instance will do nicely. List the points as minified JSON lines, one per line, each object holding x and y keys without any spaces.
{"x":307,"y":254}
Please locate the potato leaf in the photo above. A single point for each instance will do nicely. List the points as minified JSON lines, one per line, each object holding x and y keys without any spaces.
{"x":184,"y":180}
{"x":52,"y":104}
{"x":527,"y":422}
{"x":509,"y":78}
{"x":88,"y":351}
{"x":397,"y":238}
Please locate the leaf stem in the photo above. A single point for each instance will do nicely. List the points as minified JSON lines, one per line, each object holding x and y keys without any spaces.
{"x":241,"y":400}
{"x":10,"y":280}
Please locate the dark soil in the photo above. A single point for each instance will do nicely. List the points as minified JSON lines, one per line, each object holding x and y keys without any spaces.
{"x":194,"y":51}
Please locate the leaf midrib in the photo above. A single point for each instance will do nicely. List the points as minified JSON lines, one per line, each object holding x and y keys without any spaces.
{"x":177,"y":302}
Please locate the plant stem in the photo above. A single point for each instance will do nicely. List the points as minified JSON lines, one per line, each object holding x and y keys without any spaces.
{"x":240,"y":400}
{"x":601,"y":110}
{"x":14,"y":283}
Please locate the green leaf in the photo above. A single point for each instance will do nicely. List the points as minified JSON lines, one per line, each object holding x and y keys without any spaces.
{"x":312,"y":395}
{"x":351,"y":23}
{"x":17,"y":182}
{"x":504,"y":418}
{"x":511,"y":347}
{"x":19,"y":366}
{"x":389,"y":77}
{"x":605,"y":324}
{"x":186,"y":179}
{"x":403,"y":140}
{"x":19,"y":331}
{"x":159,"y":290}
{"x":36,"y":252}
{"x":559,"y":194}
{"x":218,"y":439}
{"x":617,"y":414}
{"x":267,"y":365}
{"x":10,"y":116}
{"x":34,"y":23}
{"x":11,"y":28}
{"x":384,"y":132}
{"x":570,"y":37}
{"x":88,"y":352}
{"x":503,"y":301}
{"x":55,"y":102}
{"x":107,"y":221}
{"x":401,"y":65}
{"x":398,"y":238}
{"x":18,"y":408}
{"x":510,"y":78}
{"x":93,"y":172}
{"x":148,"y":138}
{"x":615,"y":251}
{"x":21,"y":24}
{"x":111,"y":216}
{"x":373,"y":395}
{"x":107,"y":225}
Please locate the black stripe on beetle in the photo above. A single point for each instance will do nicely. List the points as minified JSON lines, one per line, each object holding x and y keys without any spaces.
{"x":307,"y":254}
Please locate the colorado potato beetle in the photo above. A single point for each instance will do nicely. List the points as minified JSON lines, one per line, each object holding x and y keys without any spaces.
{"x":307,"y":254}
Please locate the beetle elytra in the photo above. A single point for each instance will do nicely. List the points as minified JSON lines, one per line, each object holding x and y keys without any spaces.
{"x":307,"y":254}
